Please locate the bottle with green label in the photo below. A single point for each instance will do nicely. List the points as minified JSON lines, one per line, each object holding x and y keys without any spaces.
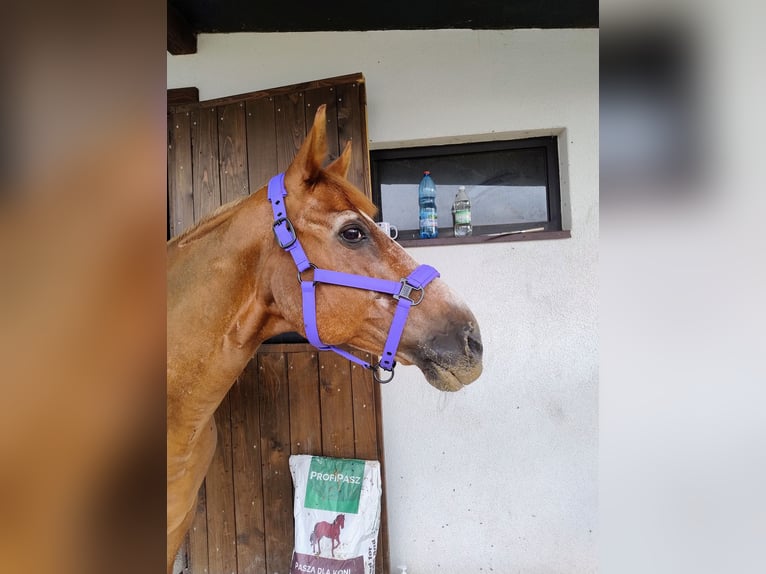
{"x":461,"y":214}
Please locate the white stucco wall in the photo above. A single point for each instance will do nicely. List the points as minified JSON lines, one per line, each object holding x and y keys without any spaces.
{"x":503,"y":475}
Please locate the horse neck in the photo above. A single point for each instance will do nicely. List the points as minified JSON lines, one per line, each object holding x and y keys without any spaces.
{"x":216,"y":292}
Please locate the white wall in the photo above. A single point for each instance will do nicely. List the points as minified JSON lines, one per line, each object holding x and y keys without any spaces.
{"x":503,"y":475}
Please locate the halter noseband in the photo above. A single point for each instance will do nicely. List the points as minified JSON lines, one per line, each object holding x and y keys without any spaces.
{"x":403,"y":290}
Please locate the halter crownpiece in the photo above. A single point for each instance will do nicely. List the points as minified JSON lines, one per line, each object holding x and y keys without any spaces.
{"x":408,"y":291}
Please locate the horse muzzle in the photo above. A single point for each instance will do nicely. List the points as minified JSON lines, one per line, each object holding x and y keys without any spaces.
{"x":451,"y":358}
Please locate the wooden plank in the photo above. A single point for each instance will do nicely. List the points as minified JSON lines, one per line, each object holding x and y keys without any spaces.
{"x":352,"y":125}
{"x":290,"y":127}
{"x":286,"y":348}
{"x":383,"y":558}
{"x":177,"y":96}
{"x":337,"y":406}
{"x":365,"y":421}
{"x":315,"y":98}
{"x":231,"y":152}
{"x":207,"y":185}
{"x":281,"y":90}
{"x":275,"y":451}
{"x":222,"y":544}
{"x":198,"y":550}
{"x":369,"y":442}
{"x":261,"y":142}
{"x":180,"y":173}
{"x":246,"y":463}
{"x":305,"y":413}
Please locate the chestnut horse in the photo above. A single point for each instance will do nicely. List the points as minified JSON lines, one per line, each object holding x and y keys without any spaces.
{"x":331,"y":531}
{"x":230,"y":286}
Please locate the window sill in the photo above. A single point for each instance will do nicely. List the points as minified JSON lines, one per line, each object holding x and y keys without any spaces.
{"x":501,"y":238}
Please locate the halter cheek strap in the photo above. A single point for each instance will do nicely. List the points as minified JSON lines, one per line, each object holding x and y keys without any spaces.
{"x":408,"y":291}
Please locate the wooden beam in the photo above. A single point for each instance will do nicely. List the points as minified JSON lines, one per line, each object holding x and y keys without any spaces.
{"x":181,"y":36}
{"x":178,"y":96}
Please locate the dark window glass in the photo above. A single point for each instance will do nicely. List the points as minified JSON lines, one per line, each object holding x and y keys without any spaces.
{"x":511,"y":184}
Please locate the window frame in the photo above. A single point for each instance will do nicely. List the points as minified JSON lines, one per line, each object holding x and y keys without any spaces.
{"x":551,"y":228}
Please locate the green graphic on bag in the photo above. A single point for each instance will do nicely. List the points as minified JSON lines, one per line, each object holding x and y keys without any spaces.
{"x":334,"y":484}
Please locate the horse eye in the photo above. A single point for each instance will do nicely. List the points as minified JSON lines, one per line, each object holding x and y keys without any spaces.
{"x":352,"y":235}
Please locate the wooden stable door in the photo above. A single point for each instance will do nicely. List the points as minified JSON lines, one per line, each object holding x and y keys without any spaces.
{"x":291,"y":399}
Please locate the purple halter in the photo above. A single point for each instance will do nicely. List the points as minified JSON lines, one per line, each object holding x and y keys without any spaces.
{"x":401,"y":290}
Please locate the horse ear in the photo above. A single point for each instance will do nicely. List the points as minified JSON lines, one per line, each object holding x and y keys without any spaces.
{"x":341,"y":164}
{"x":311,"y":155}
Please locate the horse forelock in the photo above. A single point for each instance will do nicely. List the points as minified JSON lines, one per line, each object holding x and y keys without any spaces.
{"x":344,"y":195}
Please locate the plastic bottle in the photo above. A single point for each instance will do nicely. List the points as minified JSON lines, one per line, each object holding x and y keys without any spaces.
{"x":461,"y":214}
{"x":429,"y":222}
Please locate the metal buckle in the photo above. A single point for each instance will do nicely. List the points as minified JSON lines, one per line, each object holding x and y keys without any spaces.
{"x":287,"y":228}
{"x":406,"y":289}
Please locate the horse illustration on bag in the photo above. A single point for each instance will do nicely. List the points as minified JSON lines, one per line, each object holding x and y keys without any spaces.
{"x":331,"y":531}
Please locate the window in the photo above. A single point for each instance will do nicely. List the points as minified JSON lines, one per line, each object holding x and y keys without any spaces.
{"x":513,"y":187}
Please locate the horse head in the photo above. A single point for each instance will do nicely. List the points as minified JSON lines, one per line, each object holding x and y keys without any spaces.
{"x":340,"y":520}
{"x":334,"y":222}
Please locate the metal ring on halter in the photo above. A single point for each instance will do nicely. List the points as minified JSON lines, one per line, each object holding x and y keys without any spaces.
{"x":375,"y":373}
{"x":406,"y":290}
{"x":300,"y":279}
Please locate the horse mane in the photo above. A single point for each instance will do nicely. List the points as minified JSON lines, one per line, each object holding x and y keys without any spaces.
{"x":207,"y":223}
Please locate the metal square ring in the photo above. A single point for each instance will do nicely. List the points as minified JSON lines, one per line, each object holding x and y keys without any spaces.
{"x":406,"y":289}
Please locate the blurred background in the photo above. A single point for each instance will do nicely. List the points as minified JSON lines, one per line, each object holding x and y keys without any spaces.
{"x":82,"y":243}
{"x":82,"y":296}
{"x":682,"y":436}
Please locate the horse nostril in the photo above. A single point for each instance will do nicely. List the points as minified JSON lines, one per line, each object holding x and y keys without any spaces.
{"x":473,"y":341}
{"x":474,"y":344}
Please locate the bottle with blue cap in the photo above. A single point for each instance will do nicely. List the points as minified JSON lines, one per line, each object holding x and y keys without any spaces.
{"x":429,"y":221}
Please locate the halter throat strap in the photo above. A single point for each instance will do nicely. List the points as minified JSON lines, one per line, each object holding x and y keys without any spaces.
{"x":408,"y":291}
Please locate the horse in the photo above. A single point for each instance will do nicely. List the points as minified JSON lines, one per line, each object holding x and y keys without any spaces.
{"x":331,"y":531}
{"x":231,"y":284}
